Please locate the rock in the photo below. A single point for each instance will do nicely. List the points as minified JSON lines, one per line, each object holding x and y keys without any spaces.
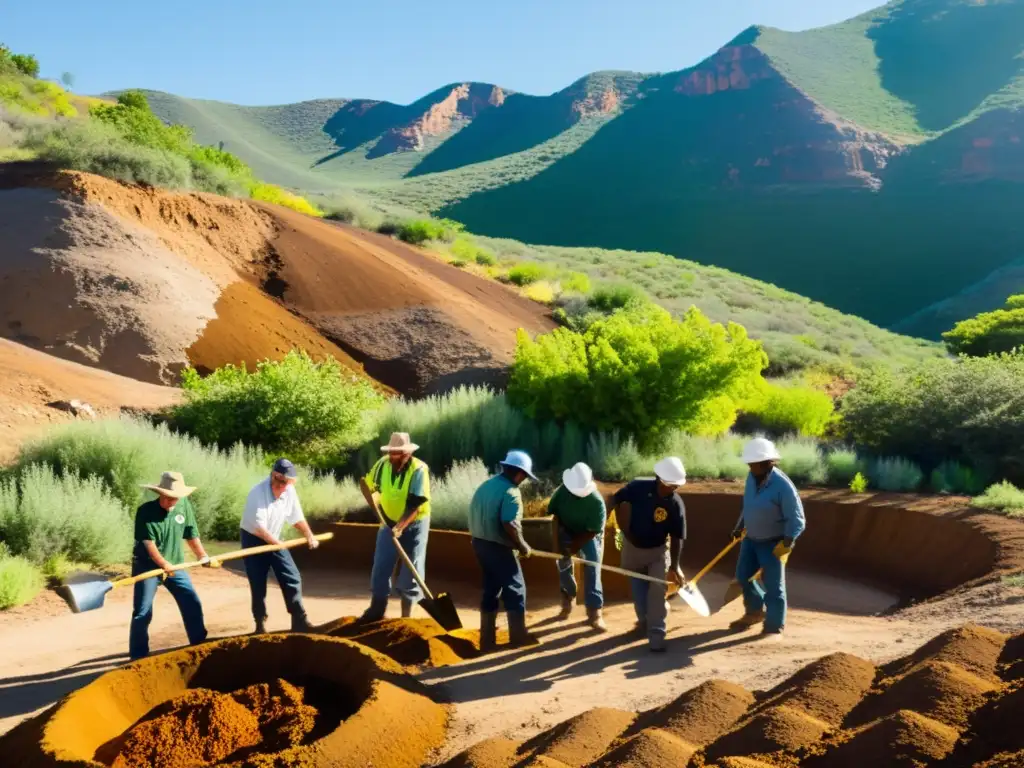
{"x":76,"y":408}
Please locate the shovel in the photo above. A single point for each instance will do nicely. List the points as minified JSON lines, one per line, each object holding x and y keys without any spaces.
{"x":90,"y":595}
{"x":440,"y":608}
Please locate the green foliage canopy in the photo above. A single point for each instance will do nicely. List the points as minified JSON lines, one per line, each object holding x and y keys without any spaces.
{"x":639,"y":371}
{"x":990,"y":332}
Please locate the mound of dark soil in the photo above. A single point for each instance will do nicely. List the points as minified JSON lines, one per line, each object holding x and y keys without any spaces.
{"x":770,"y":730}
{"x":976,"y":649}
{"x":902,"y":740}
{"x":700,"y":715}
{"x":652,"y":748}
{"x":581,"y":739}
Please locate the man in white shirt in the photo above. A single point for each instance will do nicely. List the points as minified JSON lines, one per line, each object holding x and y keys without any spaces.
{"x":272,"y":503}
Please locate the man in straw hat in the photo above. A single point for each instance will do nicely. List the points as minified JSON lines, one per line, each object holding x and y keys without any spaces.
{"x":652,"y":518}
{"x":398,"y":485}
{"x":160,"y":527}
{"x":773,"y":518}
{"x":580,"y":515}
{"x":495,"y":523}
{"x":270,"y":504}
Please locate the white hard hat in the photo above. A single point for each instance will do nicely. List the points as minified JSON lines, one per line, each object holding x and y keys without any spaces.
{"x":670,"y":471}
{"x":760,"y":449}
{"x":579,"y":480}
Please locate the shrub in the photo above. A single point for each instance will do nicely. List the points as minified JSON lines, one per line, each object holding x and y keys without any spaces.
{"x":803,"y":461}
{"x":989,"y":333}
{"x":842,"y":466}
{"x":541,"y":292}
{"x":954,"y":477}
{"x":613,"y":457}
{"x":895,"y":474}
{"x":639,"y":372}
{"x":793,"y":408}
{"x":1002,"y":497}
{"x":43,"y":514}
{"x":464,"y":249}
{"x":296,"y":406}
{"x":20,"y":581}
{"x":419,"y":231}
{"x":451,"y":495}
{"x":352,"y":210}
{"x":269,"y":193}
{"x":528,"y":272}
{"x":609,"y":297}
{"x":26,"y":63}
{"x":969,"y":410}
{"x":576,"y":282}
{"x":859,"y":484}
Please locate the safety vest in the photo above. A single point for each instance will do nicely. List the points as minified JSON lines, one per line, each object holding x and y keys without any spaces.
{"x":393,"y":495}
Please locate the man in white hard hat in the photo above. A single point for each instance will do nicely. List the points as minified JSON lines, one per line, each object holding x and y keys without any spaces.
{"x":773,"y":519}
{"x":652,"y":518}
{"x":161,"y":525}
{"x":580,"y":516}
{"x":399,"y":486}
{"x":495,"y":523}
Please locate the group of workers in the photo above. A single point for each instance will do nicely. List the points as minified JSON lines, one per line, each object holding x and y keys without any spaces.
{"x":649,"y":513}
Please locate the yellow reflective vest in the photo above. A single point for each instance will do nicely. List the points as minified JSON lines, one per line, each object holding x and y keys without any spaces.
{"x":394,"y":490}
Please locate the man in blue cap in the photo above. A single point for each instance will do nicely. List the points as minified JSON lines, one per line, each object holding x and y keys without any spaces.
{"x":495,"y":523}
{"x":272,"y":503}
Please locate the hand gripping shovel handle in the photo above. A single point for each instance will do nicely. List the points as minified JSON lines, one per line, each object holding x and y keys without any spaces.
{"x":236,"y":555}
{"x":405,"y":558}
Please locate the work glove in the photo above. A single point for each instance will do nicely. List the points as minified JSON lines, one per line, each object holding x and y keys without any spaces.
{"x":207,"y":562}
{"x":783,"y":549}
{"x":314,"y":543}
{"x":737,"y":532}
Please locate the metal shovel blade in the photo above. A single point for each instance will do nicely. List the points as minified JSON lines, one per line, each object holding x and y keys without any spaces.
{"x":692,"y":596}
{"x":86,"y":595}
{"x":442,"y":610}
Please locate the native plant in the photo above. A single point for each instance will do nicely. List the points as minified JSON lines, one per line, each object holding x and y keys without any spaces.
{"x":989,"y":333}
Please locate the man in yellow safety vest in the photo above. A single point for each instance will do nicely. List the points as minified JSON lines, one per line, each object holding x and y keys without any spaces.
{"x":399,"y":486}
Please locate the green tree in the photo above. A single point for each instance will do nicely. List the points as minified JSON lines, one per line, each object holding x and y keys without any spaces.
{"x":989,"y":333}
{"x":26,"y":63}
{"x":639,"y":371}
{"x":134,"y":99}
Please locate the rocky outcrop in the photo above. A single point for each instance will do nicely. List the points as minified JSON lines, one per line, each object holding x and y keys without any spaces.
{"x":734,"y":67}
{"x":462,"y":102}
{"x":991,"y":147}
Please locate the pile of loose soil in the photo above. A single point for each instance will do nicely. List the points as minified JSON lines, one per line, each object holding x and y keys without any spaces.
{"x":700,"y":715}
{"x":774,"y":729}
{"x":827,"y":689}
{"x":976,"y":649}
{"x":652,"y":748}
{"x":902,"y":740}
{"x":489,"y":753}
{"x":581,"y":739}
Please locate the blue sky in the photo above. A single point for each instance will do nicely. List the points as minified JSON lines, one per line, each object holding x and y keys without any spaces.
{"x":277,"y":51}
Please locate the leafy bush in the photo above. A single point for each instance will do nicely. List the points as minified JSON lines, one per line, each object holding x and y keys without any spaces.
{"x":1002,"y":497}
{"x":355,"y":212}
{"x":639,"y":372}
{"x":43,"y":514}
{"x":125,"y":453}
{"x":270,"y":193}
{"x":859,"y":484}
{"x":576,"y":282}
{"x":841,"y":466}
{"x":528,"y":272}
{"x":609,"y":297}
{"x":895,"y":474}
{"x":26,"y":63}
{"x":464,"y":249}
{"x":989,"y":333}
{"x":295,"y":406}
{"x":451,"y":495}
{"x":419,"y":231}
{"x":969,"y":410}
{"x":20,"y":581}
{"x":541,"y":292}
{"x":793,"y":408}
{"x":803,"y":461}
{"x":954,"y":477}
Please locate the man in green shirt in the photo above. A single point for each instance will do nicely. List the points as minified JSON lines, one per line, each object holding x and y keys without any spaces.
{"x":160,"y":527}
{"x":580,"y":515}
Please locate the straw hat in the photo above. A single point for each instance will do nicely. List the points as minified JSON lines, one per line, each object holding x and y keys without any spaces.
{"x":399,"y":443}
{"x":671,"y":471}
{"x":172,"y":485}
{"x":579,"y":480}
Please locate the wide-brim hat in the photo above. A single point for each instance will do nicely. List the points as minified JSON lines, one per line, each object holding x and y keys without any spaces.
{"x":579,"y":480}
{"x":399,"y":443}
{"x":520,"y":460}
{"x":172,"y":485}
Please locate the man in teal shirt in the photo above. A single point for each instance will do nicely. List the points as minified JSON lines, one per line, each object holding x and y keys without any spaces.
{"x":579,"y":511}
{"x":161,"y":526}
{"x":495,"y":523}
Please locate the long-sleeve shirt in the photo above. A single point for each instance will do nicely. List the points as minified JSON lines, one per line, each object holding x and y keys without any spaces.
{"x":773,"y":511}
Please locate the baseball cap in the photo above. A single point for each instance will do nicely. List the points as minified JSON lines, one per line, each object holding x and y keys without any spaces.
{"x":286,"y":468}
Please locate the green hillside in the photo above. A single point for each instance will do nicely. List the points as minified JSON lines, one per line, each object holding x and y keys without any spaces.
{"x":875,"y":165}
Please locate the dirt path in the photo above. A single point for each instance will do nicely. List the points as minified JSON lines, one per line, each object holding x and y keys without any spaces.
{"x":48,"y":652}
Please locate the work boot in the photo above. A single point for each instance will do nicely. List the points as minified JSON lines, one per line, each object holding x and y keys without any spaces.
{"x":261,"y":626}
{"x":517,"y":634}
{"x":656,"y":643}
{"x":300,"y":623}
{"x":378,"y":607}
{"x":407,"y":605}
{"x":596,"y":620}
{"x":488,"y":632}
{"x":640,"y":628}
{"x":747,"y":620}
{"x":567,"y":603}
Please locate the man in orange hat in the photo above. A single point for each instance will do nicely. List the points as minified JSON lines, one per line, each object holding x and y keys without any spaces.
{"x":160,"y":527}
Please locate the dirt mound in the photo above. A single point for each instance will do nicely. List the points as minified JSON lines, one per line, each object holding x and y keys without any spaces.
{"x":700,"y":715}
{"x":581,"y":739}
{"x":902,"y":739}
{"x":1011,"y":662}
{"x":938,"y":689}
{"x":771,"y":730}
{"x":994,"y":729}
{"x":741,"y":762}
{"x":329,"y":701}
{"x":1004,"y":760}
{"x":976,"y":649}
{"x":414,"y":322}
{"x":652,"y":748}
{"x":410,"y":642}
{"x":826,"y":689}
{"x":490,"y":753}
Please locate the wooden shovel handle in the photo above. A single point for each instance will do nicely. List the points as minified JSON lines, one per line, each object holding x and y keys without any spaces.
{"x":603,"y":567}
{"x":235,"y":555}
{"x":405,"y":558}
{"x":703,"y":571}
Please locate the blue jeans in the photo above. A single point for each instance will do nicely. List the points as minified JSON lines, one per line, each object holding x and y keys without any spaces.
{"x":771,"y":598}
{"x":502,"y":577}
{"x":257,"y":568}
{"x":414,"y":541}
{"x":180,"y":586}
{"x":593,"y":551}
